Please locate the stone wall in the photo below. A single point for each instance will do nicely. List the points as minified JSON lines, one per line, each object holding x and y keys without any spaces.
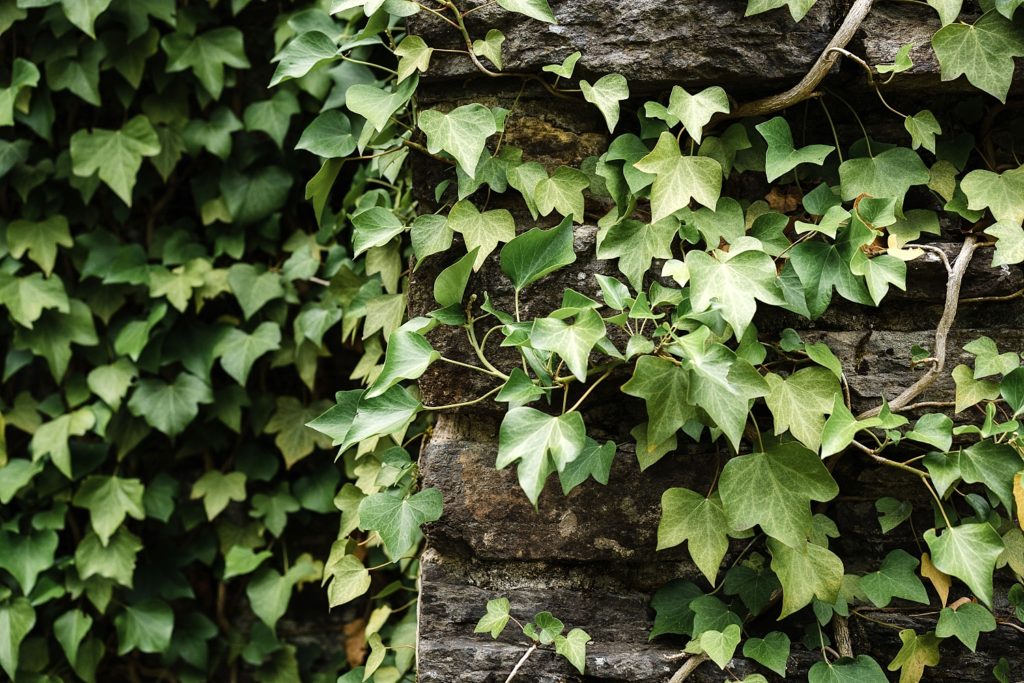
{"x":590,"y":557}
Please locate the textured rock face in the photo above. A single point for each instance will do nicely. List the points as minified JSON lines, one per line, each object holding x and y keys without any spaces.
{"x":590,"y":558}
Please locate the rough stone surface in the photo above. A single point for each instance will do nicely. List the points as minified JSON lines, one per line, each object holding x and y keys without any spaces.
{"x":590,"y":558}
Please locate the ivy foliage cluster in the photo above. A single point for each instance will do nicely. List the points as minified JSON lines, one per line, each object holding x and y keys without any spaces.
{"x":685,"y":336}
{"x":172,"y":313}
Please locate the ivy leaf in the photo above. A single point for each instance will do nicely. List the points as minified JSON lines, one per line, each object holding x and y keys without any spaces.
{"x":109,"y":500}
{"x":54,"y":332}
{"x":679,"y":178}
{"x":863,"y":669}
{"x":1001,"y":193}
{"x":806,"y":572}
{"x":24,"y":75}
{"x":408,"y":356}
{"x":27,"y":555}
{"x":800,"y":402}
{"x":771,"y":652}
{"x":923,"y":127}
{"x":214,"y":135}
{"x":934,"y":429}
{"x":462,"y":132}
{"x":69,"y":629}
{"x":782,"y":157}
{"x":40,"y":239}
{"x":115,"y":154}
{"x":541,"y":444}
{"x":380,"y":416}
{"x":450,"y":285}
{"x":970,"y":391}
{"x":566,"y":68}
{"x":562,"y":192}
{"x":894,"y":579}
{"x":294,"y":439}
{"x":721,"y":645}
{"x":430,"y":235}
{"x":496,"y":619}
{"x":217,"y":490}
{"x":16,"y":620}
{"x":303,"y":54}
{"x":948,"y":10}
{"x":413,"y":55}
{"x":689,"y":516}
{"x":111,"y":382}
{"x":917,"y":653}
{"x":481,"y":231}
{"x":1012,"y":390}
{"x":170,"y":407}
{"x":888,"y":174}
{"x":538,"y":253}
{"x":798,"y":9}
{"x":27,"y":297}
{"x":665,"y":388}
{"x":269,"y":593}
{"x":115,"y":561}
{"x":695,"y":111}
{"x":595,"y":460}
{"x":83,"y":14}
{"x":238,"y":350}
{"x":573,"y":646}
{"x":573,"y":342}
{"x":206,"y":55}
{"x":983,"y":52}
{"x":350,"y":579}
{"x":239,"y":561}
{"x":144,"y":626}
{"x":672,"y":607}
{"x":735,"y":283}
{"x":254,"y":288}
{"x":605,"y":94}
{"x":988,"y":361}
{"x":377,"y":106}
{"x":535,"y":9}
{"x":636,"y":245}
{"x":891,"y":513}
{"x":374,"y":227}
{"x":721,"y":383}
{"x":490,"y":47}
{"x":993,"y":465}
{"x":272,"y":116}
{"x":969,"y":553}
{"x":1009,"y":243}
{"x":397,"y":520}
{"x":841,"y":427}
{"x":52,"y":438}
{"x":774,"y":489}
{"x":966,"y":622}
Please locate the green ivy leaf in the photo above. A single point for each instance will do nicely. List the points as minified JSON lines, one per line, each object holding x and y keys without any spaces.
{"x":115,"y":154}
{"x":679,"y":179}
{"x":83,"y":14}
{"x":535,"y":9}
{"x":993,"y":465}
{"x":397,"y":520}
{"x":462,"y":132}
{"x":544,"y":628}
{"x":1009,"y":243}
{"x":562,"y":192}
{"x":490,"y":47}
{"x":302,"y":55}
{"x":70,"y":629}
{"x":408,"y":356}
{"x":665,"y":388}
{"x":888,"y":174}
{"x":970,"y":391}
{"x":595,"y":460}
{"x":350,"y":579}
{"x":573,"y":646}
{"x":413,"y":55}
{"x":239,"y":350}
{"x":798,"y":9}
{"x":689,"y":516}
{"x":917,"y":653}
{"x":774,"y":490}
{"x":636,"y":245}
{"x":378,"y":106}
{"x":988,"y":361}
{"x":782,"y":157}
{"x":239,"y":561}
{"x":217,"y":490}
{"x":537,"y":253}
{"x":254,"y":287}
{"x":966,"y":622}
{"x":541,"y":444}
{"x":16,"y":620}
{"x":27,"y":555}
{"x":566,"y":68}
{"x":771,"y":652}
{"x":144,"y":626}
{"x":800,"y":402}
{"x":52,"y":438}
{"x":841,"y":427}
{"x":111,"y":382}
{"x":983,"y":52}
{"x":605,"y":94}
{"x":269,"y":593}
{"x":206,"y":54}
{"x":115,"y":561}
{"x":923,"y":127}
{"x":948,"y":10}
{"x":109,"y":500}
{"x":934,"y":429}
{"x":27,"y":297}
{"x":214,"y":135}
{"x":450,"y":285}
{"x":481,"y":231}
{"x":735,"y":282}
{"x":696,"y":111}
{"x":721,"y":645}
{"x":896,"y":578}
{"x":170,"y":407}
{"x":382,"y":415}
{"x":272,"y":116}
{"x":1001,"y":193}
{"x":496,"y":619}
{"x":24,"y":75}
{"x":969,"y":553}
{"x":573,"y":342}
{"x":863,"y":669}
{"x":806,"y":571}
{"x":40,"y":239}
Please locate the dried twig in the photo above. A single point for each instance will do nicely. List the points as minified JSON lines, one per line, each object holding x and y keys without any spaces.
{"x":807,"y":85}
{"x":953,"y":284}
{"x":841,"y":631}
{"x":688,"y":667}
{"x":520,"y":663}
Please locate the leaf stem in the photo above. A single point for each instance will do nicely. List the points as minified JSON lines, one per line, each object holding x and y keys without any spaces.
{"x":589,"y":390}
{"x":520,"y":663}
{"x":463,"y":404}
{"x":471,"y":367}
